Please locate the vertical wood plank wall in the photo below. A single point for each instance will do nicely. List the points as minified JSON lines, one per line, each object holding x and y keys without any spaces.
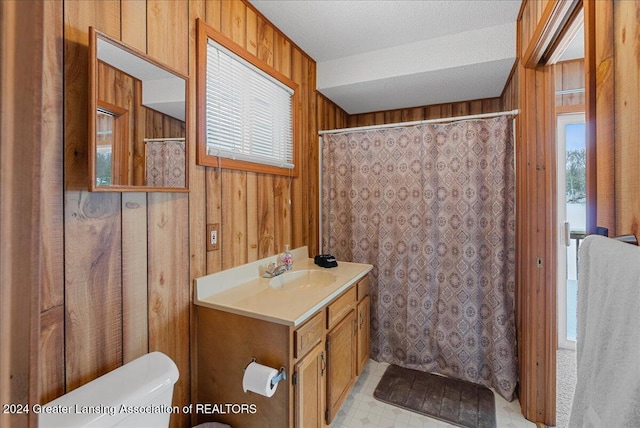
{"x":570,"y":75}
{"x":27,"y":99}
{"x":116,"y":268}
{"x":627,"y":114}
{"x":434,"y":111}
{"x":535,"y":221}
{"x":611,"y":98}
{"x":120,"y":286}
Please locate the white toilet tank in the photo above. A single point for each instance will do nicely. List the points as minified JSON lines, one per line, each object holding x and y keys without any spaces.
{"x":137,"y":394}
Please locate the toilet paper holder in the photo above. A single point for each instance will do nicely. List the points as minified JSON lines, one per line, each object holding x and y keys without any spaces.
{"x":282,"y":373}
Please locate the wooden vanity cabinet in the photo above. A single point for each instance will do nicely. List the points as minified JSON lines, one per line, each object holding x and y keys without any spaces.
{"x":341,"y":362}
{"x":323,"y":357}
{"x":309,"y":389}
{"x":347,"y":343}
{"x":309,"y":373}
{"x":364,"y":339}
{"x":364,"y":322}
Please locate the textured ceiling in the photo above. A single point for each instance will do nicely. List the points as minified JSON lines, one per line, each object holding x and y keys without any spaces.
{"x":383,"y":55}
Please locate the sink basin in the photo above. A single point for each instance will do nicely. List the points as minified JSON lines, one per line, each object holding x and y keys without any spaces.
{"x":302,"y":279}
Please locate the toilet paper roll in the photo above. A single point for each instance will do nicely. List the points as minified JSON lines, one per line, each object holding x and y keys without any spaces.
{"x":257,"y":378}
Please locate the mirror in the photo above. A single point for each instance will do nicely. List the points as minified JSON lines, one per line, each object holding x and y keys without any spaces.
{"x":137,"y":120}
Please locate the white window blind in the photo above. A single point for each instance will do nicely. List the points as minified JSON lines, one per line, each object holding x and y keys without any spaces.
{"x":249,"y":114}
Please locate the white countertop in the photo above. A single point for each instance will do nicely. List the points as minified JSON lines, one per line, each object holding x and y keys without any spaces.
{"x":242,"y":291}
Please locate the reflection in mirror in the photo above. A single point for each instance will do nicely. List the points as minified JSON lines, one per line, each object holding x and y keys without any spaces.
{"x":137,"y":120}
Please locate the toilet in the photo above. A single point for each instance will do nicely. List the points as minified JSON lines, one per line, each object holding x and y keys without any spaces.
{"x":137,"y":394}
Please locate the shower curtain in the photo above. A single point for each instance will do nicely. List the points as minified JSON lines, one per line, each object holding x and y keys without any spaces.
{"x":432,"y":207}
{"x":165,"y":163}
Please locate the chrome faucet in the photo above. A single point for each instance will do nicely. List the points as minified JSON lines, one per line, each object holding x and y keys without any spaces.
{"x":273,"y":270}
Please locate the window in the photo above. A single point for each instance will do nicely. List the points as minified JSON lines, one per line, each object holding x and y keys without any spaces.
{"x":248,"y":121}
{"x":112,"y":145}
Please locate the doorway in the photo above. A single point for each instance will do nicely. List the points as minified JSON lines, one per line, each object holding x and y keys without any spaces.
{"x":571,"y":205}
{"x":572,"y":214}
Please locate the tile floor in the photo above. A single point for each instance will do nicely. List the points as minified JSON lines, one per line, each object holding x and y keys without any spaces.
{"x":362,"y":410}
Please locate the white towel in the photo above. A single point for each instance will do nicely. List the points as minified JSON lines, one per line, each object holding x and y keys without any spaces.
{"x":608,"y":347}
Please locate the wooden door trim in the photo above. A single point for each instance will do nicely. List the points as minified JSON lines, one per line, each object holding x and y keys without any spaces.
{"x":536,"y":216}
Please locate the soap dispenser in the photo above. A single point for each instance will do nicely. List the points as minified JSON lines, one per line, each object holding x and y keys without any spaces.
{"x":287,"y":258}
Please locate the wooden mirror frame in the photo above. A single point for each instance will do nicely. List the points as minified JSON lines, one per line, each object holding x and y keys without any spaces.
{"x":95,"y":103}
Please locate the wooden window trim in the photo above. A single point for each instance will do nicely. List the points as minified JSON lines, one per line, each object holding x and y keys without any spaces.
{"x":205,"y":32}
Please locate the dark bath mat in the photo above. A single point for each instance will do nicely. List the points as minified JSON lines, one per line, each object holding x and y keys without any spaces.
{"x":454,"y":401}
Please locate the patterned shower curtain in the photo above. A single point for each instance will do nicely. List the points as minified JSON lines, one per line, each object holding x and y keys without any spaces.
{"x":432,"y":207}
{"x":165,"y":163}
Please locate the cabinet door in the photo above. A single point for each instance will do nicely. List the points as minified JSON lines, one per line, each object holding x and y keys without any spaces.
{"x":363,"y":333}
{"x":341,"y":362}
{"x":309,"y":389}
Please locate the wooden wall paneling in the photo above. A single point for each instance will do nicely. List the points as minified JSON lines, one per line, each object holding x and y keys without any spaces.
{"x":252,"y":31}
{"x":92,"y":253}
{"x":558,"y":83}
{"x":266,"y":216}
{"x":475,"y":107}
{"x":368,"y":119}
{"x":213,"y":13}
{"x":138,"y":157}
{"x":51,"y":356}
{"x":197,"y":198}
{"x":314,"y":174}
{"x":265,"y":41}
{"x":252,"y":217}
{"x":510,"y":93}
{"x":532,"y":12}
{"x":573,"y":78}
{"x":600,"y":114}
{"x":282,"y":184}
{"x":433,"y":112}
{"x":265,"y":185}
{"x":24,"y":27}
{"x":252,"y":178}
{"x":169,"y":288}
{"x":79,"y":15}
{"x":234,"y":183}
{"x":298,"y":210}
{"x":164,"y":19}
{"x":330,"y":116}
{"x":233,"y":21}
{"x":234,"y":219}
{"x":416,"y":113}
{"x":536,"y":216}
{"x":547,"y":215}
{"x":460,"y":109}
{"x":133,"y":29}
{"x":446,"y":110}
{"x":51,"y":360}
{"x":393,"y":116}
{"x":93,"y":287}
{"x":491,"y":105}
{"x":627,"y":116}
{"x":213,"y":202}
{"x":525,"y":272}
{"x":135,"y":323}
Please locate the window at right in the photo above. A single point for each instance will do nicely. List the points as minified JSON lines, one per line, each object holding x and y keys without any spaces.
{"x":247,"y":117}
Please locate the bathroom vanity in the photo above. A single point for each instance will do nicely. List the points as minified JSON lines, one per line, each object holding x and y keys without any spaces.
{"x":311,"y":321}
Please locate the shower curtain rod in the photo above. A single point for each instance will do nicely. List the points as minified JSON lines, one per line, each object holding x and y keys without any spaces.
{"x":149,"y":140}
{"x":420,"y":122}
